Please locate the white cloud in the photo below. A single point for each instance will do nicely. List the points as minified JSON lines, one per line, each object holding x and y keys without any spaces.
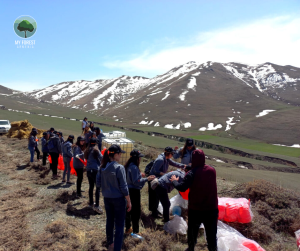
{"x":275,"y":40}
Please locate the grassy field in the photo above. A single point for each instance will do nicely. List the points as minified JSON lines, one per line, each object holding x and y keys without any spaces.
{"x":248,"y":144}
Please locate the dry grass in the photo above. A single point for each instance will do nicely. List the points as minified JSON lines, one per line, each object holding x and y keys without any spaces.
{"x":30,"y":203}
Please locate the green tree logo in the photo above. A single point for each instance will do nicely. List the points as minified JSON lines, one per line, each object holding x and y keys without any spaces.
{"x":25,"y":26}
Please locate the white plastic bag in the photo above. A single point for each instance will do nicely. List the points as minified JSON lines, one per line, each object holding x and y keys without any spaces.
{"x":230,"y":239}
{"x":177,"y":200}
{"x":177,"y":225}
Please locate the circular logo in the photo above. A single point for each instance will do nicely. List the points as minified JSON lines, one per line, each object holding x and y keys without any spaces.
{"x":25,"y":26}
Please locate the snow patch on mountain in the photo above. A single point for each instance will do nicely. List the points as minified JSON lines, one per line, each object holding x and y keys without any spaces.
{"x":229,"y":123}
{"x":166,"y":95}
{"x":264,"y":112}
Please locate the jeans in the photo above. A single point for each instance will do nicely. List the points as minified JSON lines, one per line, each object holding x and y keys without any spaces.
{"x":209,"y":220}
{"x":31,"y":149}
{"x":37,"y":152}
{"x":79,"y":172}
{"x":115,"y":218}
{"x":67,"y":169}
{"x":135,"y":214}
{"x":45,"y":155}
{"x":53,"y":165}
{"x":153,"y":200}
{"x":163,"y":197}
{"x":92,"y":174}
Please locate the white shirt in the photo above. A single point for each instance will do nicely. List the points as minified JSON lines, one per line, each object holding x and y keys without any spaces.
{"x":84,"y":123}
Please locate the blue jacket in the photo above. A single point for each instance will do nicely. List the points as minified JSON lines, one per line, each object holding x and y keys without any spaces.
{"x":100,"y":137}
{"x":44,"y":146}
{"x":32,"y":142}
{"x":161,"y":164}
{"x":56,"y":143}
{"x":134,"y":177}
{"x":187,"y":157}
{"x":112,"y":180}
{"x":93,"y":163}
{"x":87,"y":137}
{"x":77,"y":164}
{"x":164,"y":181}
{"x":67,"y":150}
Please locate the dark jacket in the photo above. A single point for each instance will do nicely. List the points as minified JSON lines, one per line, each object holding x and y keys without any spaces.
{"x":92,"y":162}
{"x":77,"y":164}
{"x":161,"y":164}
{"x":55,"y":141}
{"x":112,"y":180}
{"x":134,"y":177}
{"x":67,"y":151}
{"x":44,"y":146}
{"x":88,"y":136}
{"x":202,"y":182}
{"x":100,"y":137}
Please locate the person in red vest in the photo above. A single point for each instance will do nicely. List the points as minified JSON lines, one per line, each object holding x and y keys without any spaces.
{"x":203,"y":200}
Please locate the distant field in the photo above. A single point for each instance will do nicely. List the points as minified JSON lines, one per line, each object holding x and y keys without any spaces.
{"x":287,"y":180}
{"x":243,"y":144}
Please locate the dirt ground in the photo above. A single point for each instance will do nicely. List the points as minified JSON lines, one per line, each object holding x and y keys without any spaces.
{"x":38,"y":213}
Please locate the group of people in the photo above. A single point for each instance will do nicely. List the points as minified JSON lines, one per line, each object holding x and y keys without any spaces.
{"x":121,"y":185}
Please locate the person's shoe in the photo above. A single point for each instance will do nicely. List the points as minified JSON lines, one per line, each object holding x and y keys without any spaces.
{"x":98,"y":210}
{"x":63,"y":181}
{"x":82,"y":191}
{"x":170,"y":218}
{"x":70,"y":183}
{"x":129,"y":231}
{"x":156,"y":216}
{"x":111,"y":247}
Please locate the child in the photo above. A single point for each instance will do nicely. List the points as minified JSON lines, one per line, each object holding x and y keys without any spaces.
{"x":45,"y":149}
{"x":67,"y":157}
{"x":135,"y":184}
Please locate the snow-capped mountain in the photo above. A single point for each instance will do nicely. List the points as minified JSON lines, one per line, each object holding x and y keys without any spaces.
{"x":207,"y":96}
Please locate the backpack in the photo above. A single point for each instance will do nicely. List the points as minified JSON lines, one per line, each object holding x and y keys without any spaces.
{"x":148,"y":168}
{"x":50,"y":144}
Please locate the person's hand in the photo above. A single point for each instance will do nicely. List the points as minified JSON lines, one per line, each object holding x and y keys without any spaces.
{"x":176,"y":148}
{"x":151,"y":177}
{"x":174,"y":178}
{"x":77,"y":156}
{"x":190,"y":164}
{"x":128,"y":206}
{"x":143,"y":175}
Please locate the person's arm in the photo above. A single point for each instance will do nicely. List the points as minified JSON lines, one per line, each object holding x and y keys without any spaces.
{"x":31,"y":141}
{"x":157,"y":167}
{"x":100,"y":156}
{"x":176,"y":164}
{"x":177,"y":154}
{"x":128,"y":203}
{"x":69,"y":151}
{"x":121,"y":176}
{"x":185,"y":184}
{"x":136,"y":177}
{"x":98,"y":179}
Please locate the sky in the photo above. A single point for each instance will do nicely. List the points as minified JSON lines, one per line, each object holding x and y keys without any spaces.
{"x":88,"y":40}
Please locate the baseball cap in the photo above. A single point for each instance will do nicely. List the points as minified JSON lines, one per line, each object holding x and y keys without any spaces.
{"x":115,"y":149}
{"x":136,"y":153}
{"x":45,"y":133}
{"x":189,"y":142}
{"x":93,"y":141}
{"x":80,"y":138}
{"x":34,"y":129}
{"x":169,"y":149}
{"x":52,"y":129}
{"x":71,"y":137}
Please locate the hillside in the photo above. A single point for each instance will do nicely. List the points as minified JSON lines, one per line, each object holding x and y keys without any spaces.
{"x":7,"y":91}
{"x":228,"y":97}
